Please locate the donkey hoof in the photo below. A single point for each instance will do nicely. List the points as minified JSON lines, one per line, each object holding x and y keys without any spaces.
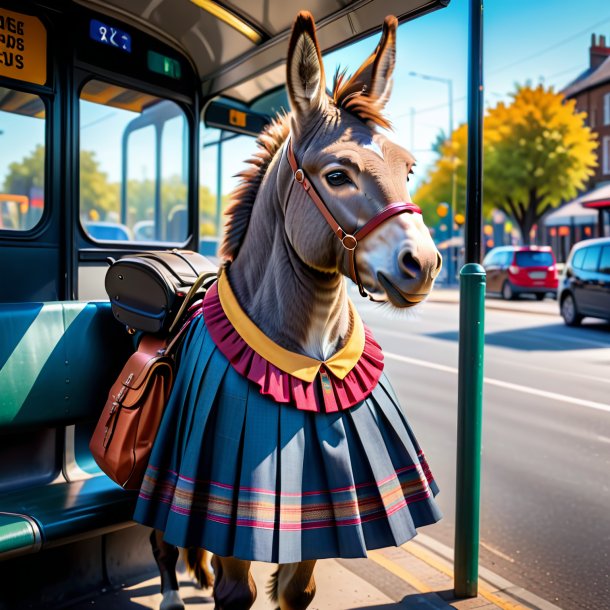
{"x":171,"y":601}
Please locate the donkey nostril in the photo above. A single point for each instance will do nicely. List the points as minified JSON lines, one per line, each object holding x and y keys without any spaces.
{"x":437,"y":267}
{"x":409,"y":264}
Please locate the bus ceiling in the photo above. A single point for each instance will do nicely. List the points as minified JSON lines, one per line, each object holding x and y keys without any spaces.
{"x":229,"y":43}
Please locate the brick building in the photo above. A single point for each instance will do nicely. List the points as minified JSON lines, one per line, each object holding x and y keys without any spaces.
{"x":591,"y":90}
{"x":588,"y":215}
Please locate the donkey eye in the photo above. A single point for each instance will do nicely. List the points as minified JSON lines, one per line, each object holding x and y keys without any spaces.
{"x":338,"y":178}
{"x":410,"y":173}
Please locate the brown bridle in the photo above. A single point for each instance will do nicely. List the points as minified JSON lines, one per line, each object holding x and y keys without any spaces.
{"x":349,"y":240}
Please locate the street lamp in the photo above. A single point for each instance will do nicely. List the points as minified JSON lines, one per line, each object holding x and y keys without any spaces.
{"x":449,"y":83}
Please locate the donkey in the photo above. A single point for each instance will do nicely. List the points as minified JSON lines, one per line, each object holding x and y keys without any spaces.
{"x":324,"y":199}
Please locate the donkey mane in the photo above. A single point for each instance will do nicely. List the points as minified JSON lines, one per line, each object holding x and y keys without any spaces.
{"x":348,"y":94}
{"x":238,"y":212}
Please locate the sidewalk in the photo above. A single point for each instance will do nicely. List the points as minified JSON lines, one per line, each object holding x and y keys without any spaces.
{"x":548,"y":307}
{"x":417,"y":575}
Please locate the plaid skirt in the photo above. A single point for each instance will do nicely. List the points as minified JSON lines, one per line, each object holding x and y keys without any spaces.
{"x":240,"y":475}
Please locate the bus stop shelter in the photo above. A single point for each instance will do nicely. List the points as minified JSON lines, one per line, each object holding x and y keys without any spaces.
{"x":599,"y":200}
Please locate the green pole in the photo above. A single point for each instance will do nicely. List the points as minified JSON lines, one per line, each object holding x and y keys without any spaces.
{"x":472,"y":317}
{"x":470,"y":410}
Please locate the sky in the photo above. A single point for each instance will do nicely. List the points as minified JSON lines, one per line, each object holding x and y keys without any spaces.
{"x":524,"y":40}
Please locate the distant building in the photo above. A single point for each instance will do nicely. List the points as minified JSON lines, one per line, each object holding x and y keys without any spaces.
{"x":587,"y":215}
{"x":591,"y":90}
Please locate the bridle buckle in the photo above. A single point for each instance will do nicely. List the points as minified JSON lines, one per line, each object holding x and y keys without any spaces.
{"x":349,"y":242}
{"x":299,"y":176}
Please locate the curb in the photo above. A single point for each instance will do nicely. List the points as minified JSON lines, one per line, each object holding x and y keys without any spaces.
{"x":490,"y":304}
{"x":496,"y":582}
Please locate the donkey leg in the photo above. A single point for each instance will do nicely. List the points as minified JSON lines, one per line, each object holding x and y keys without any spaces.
{"x":293,"y":585}
{"x":166,"y":556}
{"x":234,"y":587}
{"x":198,"y":565}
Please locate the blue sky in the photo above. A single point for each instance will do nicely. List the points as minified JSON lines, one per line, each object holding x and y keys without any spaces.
{"x":525,"y":40}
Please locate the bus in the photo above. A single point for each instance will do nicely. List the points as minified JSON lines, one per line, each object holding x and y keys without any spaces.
{"x":118,"y":122}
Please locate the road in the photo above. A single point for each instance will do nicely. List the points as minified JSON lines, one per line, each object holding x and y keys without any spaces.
{"x":545,"y":522}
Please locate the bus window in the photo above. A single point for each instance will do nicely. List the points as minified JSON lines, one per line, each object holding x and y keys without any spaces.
{"x":133,"y":155}
{"x":223,"y":155}
{"x":22,"y":160}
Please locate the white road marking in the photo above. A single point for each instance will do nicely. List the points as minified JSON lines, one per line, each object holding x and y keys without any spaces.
{"x":497,"y":359}
{"x":505,"y":384}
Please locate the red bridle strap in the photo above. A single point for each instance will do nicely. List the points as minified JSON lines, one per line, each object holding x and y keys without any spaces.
{"x":349,"y":240}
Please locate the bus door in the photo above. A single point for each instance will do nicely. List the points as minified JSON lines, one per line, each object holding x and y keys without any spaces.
{"x":31,"y":251}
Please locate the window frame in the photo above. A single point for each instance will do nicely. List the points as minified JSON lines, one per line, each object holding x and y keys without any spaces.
{"x":606,"y":154}
{"x":189,"y":145}
{"x":42,"y":224}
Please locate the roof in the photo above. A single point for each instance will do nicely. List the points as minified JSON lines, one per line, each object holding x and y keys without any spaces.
{"x":572,"y":213}
{"x":225,"y":58}
{"x":582,"y":210}
{"x":598,"y":241}
{"x":588,"y":79}
{"x":521,"y":248}
{"x":599,"y":198}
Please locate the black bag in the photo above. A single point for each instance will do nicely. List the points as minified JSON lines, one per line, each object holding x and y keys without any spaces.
{"x":150,"y":291}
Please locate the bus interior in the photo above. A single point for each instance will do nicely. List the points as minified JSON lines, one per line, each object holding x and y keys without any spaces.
{"x":119,"y":123}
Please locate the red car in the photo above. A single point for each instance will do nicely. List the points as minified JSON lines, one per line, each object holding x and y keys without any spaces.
{"x":515,"y":270}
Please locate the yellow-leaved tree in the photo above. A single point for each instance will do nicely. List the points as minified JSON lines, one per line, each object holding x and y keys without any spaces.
{"x":439,"y":184}
{"x":538,"y":153}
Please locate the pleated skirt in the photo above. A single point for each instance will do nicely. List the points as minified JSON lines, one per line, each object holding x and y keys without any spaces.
{"x":240,"y":475}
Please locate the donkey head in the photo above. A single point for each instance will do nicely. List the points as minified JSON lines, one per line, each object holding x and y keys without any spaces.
{"x":356,"y":172}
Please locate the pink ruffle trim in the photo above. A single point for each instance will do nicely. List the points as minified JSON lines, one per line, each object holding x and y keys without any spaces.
{"x":283,"y":387}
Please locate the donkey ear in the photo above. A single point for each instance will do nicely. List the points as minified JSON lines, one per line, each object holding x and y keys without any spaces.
{"x":305,"y":71}
{"x":374,"y":77}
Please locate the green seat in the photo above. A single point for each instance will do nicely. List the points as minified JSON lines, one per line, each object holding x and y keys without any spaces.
{"x":57,"y":362}
{"x":18,"y":534}
{"x":62,"y":511}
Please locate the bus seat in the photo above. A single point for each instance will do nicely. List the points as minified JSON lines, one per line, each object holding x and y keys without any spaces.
{"x":57,"y":362}
{"x":43,"y":516}
{"x":18,"y":534}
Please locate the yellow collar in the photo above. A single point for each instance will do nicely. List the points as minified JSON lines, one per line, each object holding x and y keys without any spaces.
{"x":298,"y":365}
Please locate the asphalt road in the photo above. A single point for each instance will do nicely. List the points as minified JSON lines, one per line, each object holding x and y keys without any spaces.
{"x":545,"y":507}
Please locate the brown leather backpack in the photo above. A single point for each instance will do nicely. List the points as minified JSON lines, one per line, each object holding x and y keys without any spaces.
{"x":124,"y":435}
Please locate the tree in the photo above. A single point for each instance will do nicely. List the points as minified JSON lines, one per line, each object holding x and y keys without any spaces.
{"x":438,"y":185}
{"x":97,"y":195}
{"x":537,"y":154}
{"x":26,"y":175}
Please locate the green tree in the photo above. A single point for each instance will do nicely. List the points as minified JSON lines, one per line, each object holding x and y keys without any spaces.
{"x":95,"y":191}
{"x":538,"y":153}
{"x":27,"y":174}
{"x":97,"y":195}
{"x":447,"y":174}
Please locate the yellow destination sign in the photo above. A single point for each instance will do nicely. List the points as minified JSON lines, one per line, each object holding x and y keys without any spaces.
{"x":23,"y":47}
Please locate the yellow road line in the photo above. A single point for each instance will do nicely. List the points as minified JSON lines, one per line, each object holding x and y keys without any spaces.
{"x":403,"y":574}
{"x":432,"y":561}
